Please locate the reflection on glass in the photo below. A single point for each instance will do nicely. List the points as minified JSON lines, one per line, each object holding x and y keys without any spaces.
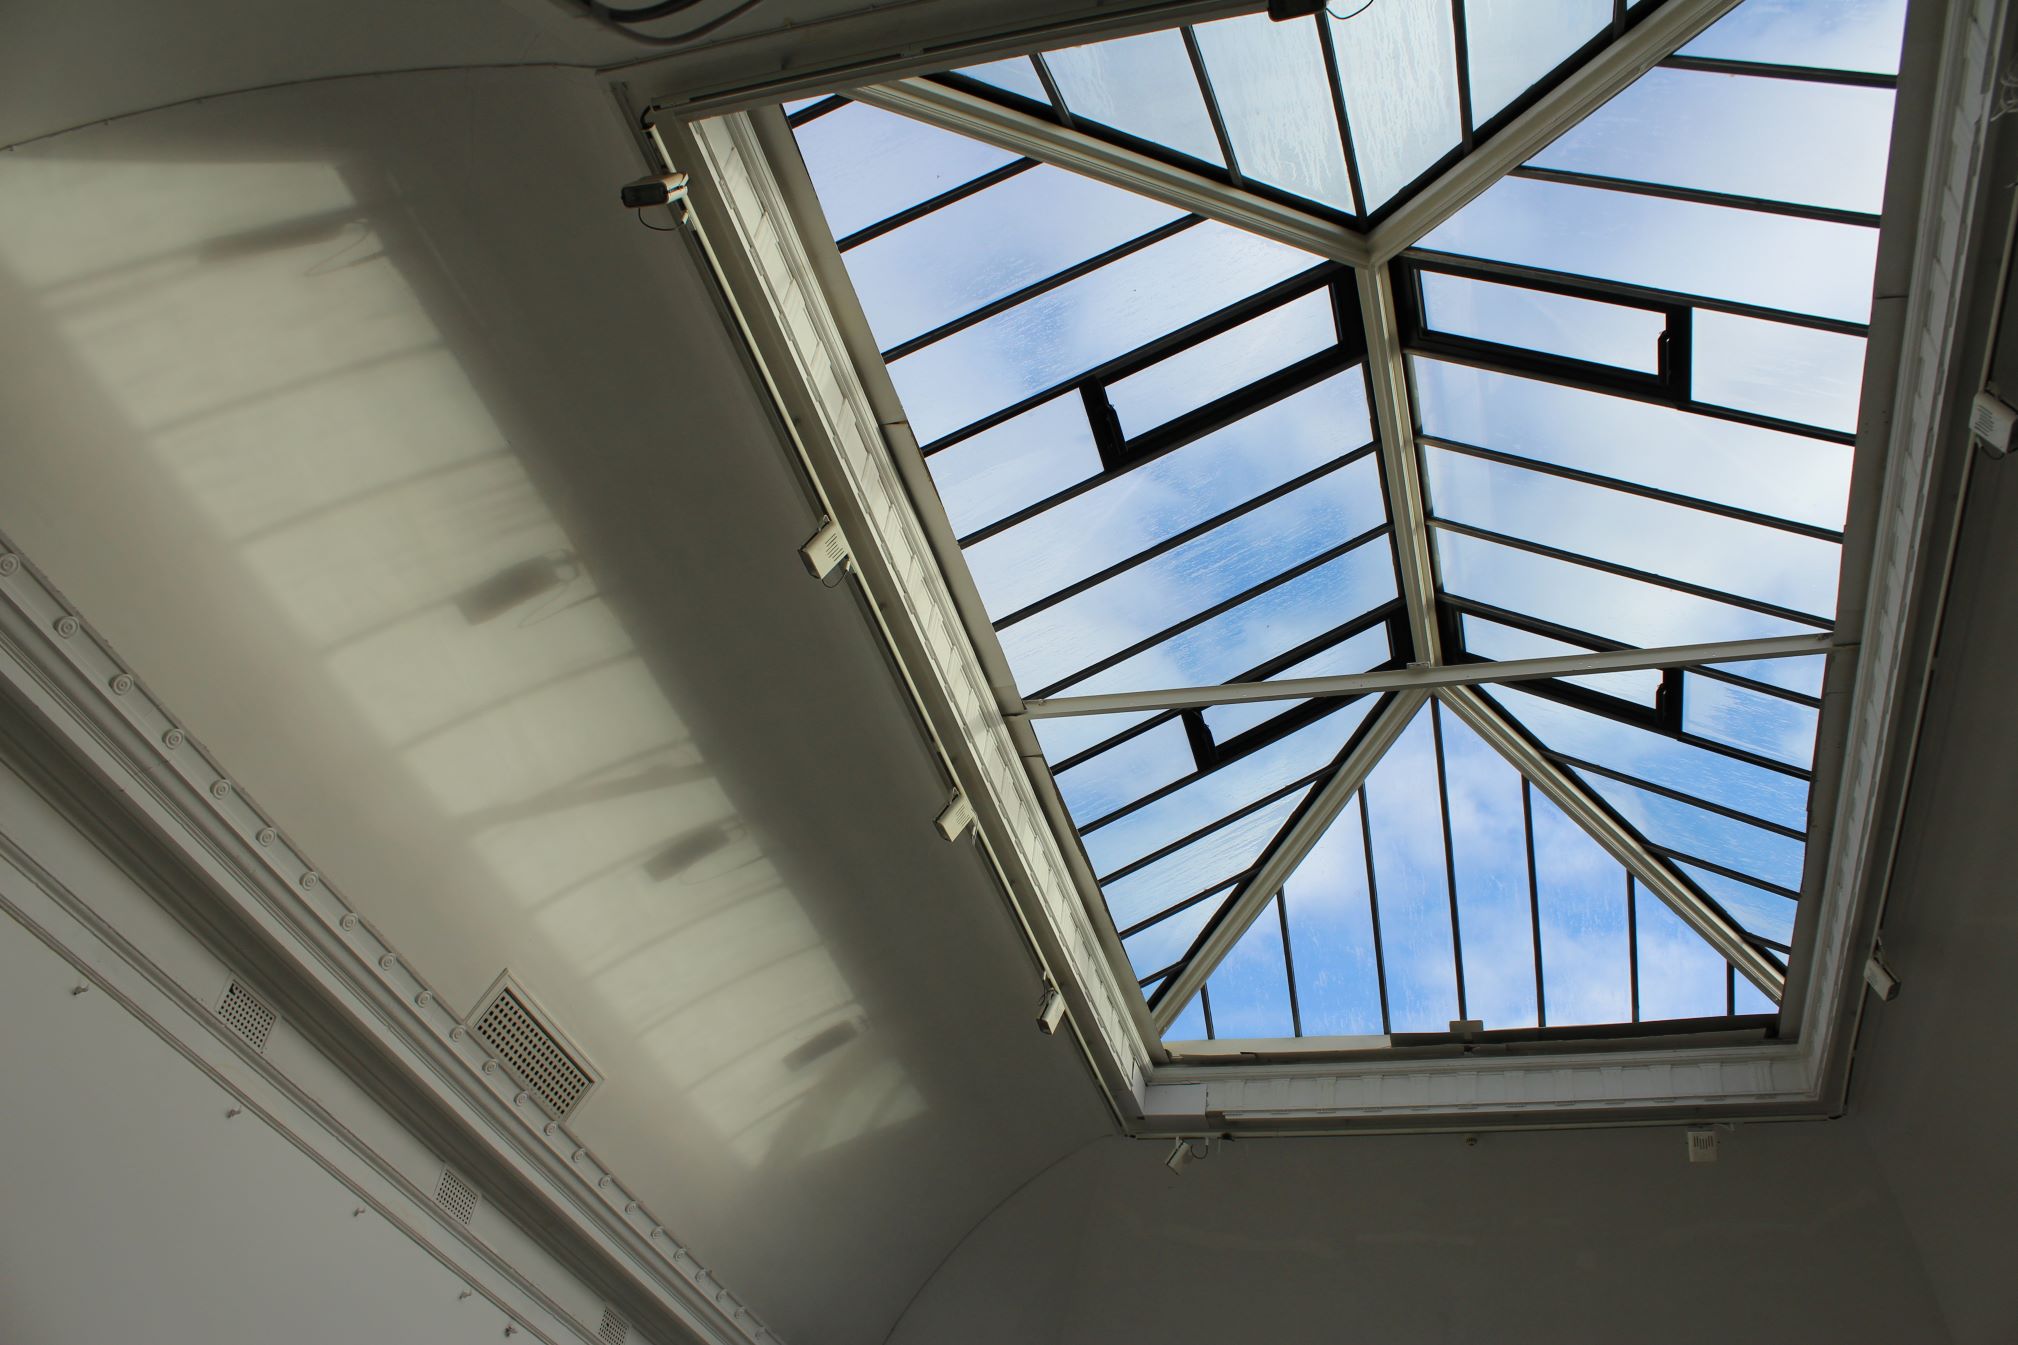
{"x":1828,"y":34}
{"x":1227,"y":362}
{"x":1142,"y":85}
{"x":1275,"y":97}
{"x":1250,"y":988}
{"x":1079,"y":325}
{"x":1555,"y":324}
{"x":868,"y":164}
{"x":1397,"y":67}
{"x":1772,"y":726}
{"x":987,"y":246}
{"x":1791,"y":373}
{"x":1511,"y":44}
{"x":1774,"y":139}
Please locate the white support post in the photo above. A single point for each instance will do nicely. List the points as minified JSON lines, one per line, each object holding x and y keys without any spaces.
{"x":1650,"y":869}
{"x":1281,"y":862}
{"x":1394,"y":417}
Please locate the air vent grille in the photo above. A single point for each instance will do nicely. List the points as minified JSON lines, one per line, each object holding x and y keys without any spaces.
{"x":614,"y":1330}
{"x":533,"y":1050}
{"x":246,"y":1015}
{"x":456,"y":1196}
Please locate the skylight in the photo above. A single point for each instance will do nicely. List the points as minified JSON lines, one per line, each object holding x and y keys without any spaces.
{"x":1620,"y":405}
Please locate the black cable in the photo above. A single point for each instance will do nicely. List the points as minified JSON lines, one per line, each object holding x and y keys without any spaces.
{"x":617,"y":25}
{"x":1341,"y":18}
{"x":653,"y":227}
{"x":642,"y":14}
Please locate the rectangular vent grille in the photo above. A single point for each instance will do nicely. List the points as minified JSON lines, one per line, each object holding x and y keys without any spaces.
{"x":536,"y":1053}
{"x":456,"y":1196}
{"x":244,"y":1014}
{"x":614,"y":1330}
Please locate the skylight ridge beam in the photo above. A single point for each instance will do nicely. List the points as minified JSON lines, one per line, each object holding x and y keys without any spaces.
{"x":1283,"y":858}
{"x":1401,"y":468}
{"x":1643,"y":46}
{"x":1640,"y":859}
{"x":1020,"y":133}
{"x":1424,"y":678}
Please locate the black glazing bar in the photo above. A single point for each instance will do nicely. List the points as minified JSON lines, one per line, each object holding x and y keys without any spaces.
{"x":1205,"y":1003}
{"x":1176,"y":907}
{"x":1730,"y":989}
{"x":1618,"y":17}
{"x":1373,"y":910}
{"x":1603,"y":379}
{"x":1119,"y":456}
{"x":1724,"y":870}
{"x":1698,"y":196}
{"x":1534,"y":899}
{"x":819,"y":109}
{"x":1225,"y":605}
{"x":1260,"y":673}
{"x":1633,"y":488}
{"x":1164,"y":790}
{"x":1633,"y":943}
{"x":1641,"y":295}
{"x":1325,"y":45}
{"x":1232,"y":315}
{"x":935,"y":203}
{"x":1570,"y":635}
{"x":1806,"y":74}
{"x":1629,"y":572}
{"x":1212,"y":109}
{"x":1680,"y":796}
{"x":1058,"y":108}
{"x":1042,"y":287}
{"x":1189,"y":534}
{"x":1449,"y":857}
{"x":1219,"y":823}
{"x":1461,"y":53}
{"x":1289,"y":963}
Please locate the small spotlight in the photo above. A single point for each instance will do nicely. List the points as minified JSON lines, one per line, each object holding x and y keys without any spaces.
{"x":1050,"y":1011}
{"x":1186,"y":1152}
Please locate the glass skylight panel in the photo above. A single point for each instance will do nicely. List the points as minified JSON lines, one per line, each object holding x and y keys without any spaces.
{"x":1789,"y":373}
{"x":1580,"y":896}
{"x":1016,"y":75}
{"x":1738,"y":716}
{"x":1488,"y":838}
{"x":1358,"y":653}
{"x":1010,"y":466}
{"x":868,"y":165}
{"x":1828,"y":34}
{"x":1250,"y":989}
{"x":1275,"y":97}
{"x":1230,"y":361}
{"x":1677,"y":975}
{"x":1512,"y":44}
{"x":1499,"y":642}
{"x":1411,"y":882}
{"x":1397,"y":69}
{"x":1142,"y":85}
{"x":1331,"y":935}
{"x":1555,"y":324}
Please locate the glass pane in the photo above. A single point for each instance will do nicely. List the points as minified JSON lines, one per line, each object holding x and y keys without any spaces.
{"x":1227,"y":362}
{"x":1331,"y":935}
{"x":1581,"y":894}
{"x":1796,"y":265}
{"x":1411,"y":885}
{"x":1013,"y":465}
{"x":1397,"y":67}
{"x":1746,"y":998}
{"x":1189,"y":1025}
{"x":1769,"y":472}
{"x":1491,"y":640}
{"x":1126,"y":514}
{"x":1356,"y":654}
{"x":1142,"y":85}
{"x":1766,"y":914}
{"x":868,"y":164}
{"x":1275,"y":98}
{"x":1158,"y":593}
{"x":1658,"y":759}
{"x":1064,"y":738}
{"x":1555,"y":324}
{"x":1697,"y":832}
{"x":991,"y":244}
{"x":1769,"y":725}
{"x":1826,"y":34}
{"x":1205,"y":863}
{"x":1513,"y":43}
{"x":801,"y":104}
{"x":1164,"y":943}
{"x":1794,"y":373}
{"x":1744,"y":559}
{"x":1489,"y":867}
{"x":1221,"y":792}
{"x":1626,"y":611}
{"x":1127,"y":771}
{"x":1803,"y":674}
{"x":1069,"y":330}
{"x":1262,"y":628}
{"x":1250,"y":988}
{"x":1775,"y":139}
{"x":1016,"y":75}
{"x":1680,"y":975}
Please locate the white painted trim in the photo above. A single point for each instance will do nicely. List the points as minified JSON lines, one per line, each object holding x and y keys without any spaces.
{"x":1401,"y":465}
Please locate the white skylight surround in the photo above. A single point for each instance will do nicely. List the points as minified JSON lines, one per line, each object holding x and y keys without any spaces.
{"x":1641,"y":444}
